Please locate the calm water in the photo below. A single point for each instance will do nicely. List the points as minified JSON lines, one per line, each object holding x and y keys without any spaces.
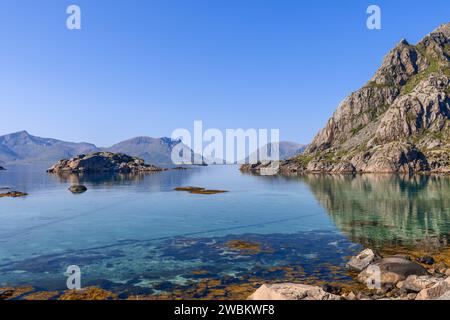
{"x":135,"y":234}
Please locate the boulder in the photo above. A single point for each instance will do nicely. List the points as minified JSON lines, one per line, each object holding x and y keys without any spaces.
{"x":78,"y":189}
{"x":290,"y":291}
{"x":440,"y":290}
{"x":363,"y":260}
{"x":418,"y":283}
{"x":389,"y":271}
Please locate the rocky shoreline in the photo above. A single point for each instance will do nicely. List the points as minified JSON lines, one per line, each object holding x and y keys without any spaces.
{"x":396,"y":277}
{"x":393,"y":277}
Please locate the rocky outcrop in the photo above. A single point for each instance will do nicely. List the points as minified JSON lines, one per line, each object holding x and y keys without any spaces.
{"x":290,"y":291}
{"x":398,"y":122}
{"x":363,"y":260}
{"x":102,"y":162}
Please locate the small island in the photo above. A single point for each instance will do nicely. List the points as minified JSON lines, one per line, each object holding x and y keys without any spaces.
{"x":101,"y":162}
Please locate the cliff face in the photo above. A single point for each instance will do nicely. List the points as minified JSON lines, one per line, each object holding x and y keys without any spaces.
{"x":398,"y":122}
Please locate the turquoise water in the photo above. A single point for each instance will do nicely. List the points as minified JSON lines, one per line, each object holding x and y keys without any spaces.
{"x":135,"y":233}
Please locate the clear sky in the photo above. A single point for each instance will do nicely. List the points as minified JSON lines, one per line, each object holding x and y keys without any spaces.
{"x":147,"y":67}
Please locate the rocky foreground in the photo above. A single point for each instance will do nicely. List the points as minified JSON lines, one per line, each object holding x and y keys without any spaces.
{"x":389,"y":278}
{"x":100,"y":162}
{"x":398,"y":122}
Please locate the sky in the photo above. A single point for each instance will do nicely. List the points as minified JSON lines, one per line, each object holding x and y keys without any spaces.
{"x":148,"y":67}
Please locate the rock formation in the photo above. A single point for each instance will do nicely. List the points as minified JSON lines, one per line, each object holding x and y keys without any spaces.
{"x":398,"y":122}
{"x":102,"y":162}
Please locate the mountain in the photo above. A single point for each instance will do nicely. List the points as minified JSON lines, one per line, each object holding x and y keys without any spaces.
{"x":398,"y":122}
{"x":286,"y":149}
{"x":23,"y":148}
{"x":153,"y":150}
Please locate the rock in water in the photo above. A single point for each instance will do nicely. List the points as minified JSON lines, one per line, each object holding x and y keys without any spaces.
{"x":102,"y":162}
{"x":78,"y":189}
{"x":390,"y":271}
{"x":363,"y":260}
{"x":398,"y":122}
{"x":289,"y":291}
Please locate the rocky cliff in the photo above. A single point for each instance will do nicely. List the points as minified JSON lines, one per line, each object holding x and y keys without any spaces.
{"x":398,"y":122}
{"x":102,"y":162}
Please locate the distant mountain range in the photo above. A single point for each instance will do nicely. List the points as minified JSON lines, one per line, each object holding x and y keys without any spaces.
{"x":22,"y":148}
{"x":286,"y":149}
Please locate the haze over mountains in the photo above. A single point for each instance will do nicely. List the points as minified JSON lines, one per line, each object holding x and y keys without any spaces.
{"x":22,"y":148}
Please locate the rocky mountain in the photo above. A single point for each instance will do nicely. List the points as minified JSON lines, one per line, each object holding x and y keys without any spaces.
{"x":398,"y":122}
{"x":23,"y":148}
{"x":286,"y":149}
{"x":153,"y":150}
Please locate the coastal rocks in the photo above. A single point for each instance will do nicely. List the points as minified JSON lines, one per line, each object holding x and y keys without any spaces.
{"x":440,"y":290}
{"x":416,"y":283}
{"x":390,"y":271}
{"x":197,"y":190}
{"x":13,"y":194}
{"x":289,"y":291}
{"x":101,"y":162}
{"x":77,"y":189}
{"x":363,"y":260}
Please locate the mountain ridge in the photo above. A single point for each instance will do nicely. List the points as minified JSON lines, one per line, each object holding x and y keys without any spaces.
{"x":399,"y":122}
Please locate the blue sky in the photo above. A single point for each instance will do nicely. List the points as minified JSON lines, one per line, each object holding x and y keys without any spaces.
{"x":147,"y":67}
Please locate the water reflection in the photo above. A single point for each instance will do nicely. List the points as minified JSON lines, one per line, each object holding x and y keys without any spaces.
{"x":383,"y":210}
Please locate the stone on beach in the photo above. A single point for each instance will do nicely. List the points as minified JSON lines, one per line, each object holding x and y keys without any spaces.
{"x":363,"y":260}
{"x":391,"y":271}
{"x":290,"y":291}
{"x":439,"y":291}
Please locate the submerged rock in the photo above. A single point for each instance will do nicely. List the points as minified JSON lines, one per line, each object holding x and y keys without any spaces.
{"x":13,"y":194}
{"x":290,"y":291}
{"x":363,"y":260}
{"x":90,"y":293}
{"x":78,"y":189}
{"x":103,"y":162}
{"x":198,"y":190}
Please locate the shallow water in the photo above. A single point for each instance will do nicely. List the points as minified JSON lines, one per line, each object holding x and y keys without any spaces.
{"x":134,"y":234}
